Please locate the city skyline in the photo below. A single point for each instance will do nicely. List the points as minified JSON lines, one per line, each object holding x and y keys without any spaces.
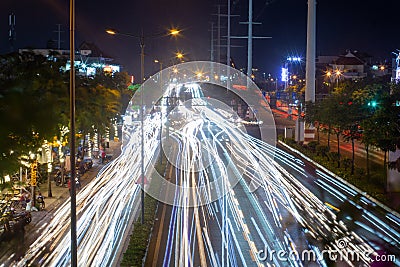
{"x":368,"y":28}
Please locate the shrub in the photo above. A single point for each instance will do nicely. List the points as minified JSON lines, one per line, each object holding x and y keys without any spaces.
{"x":333,"y":156}
{"x":322,"y":150}
{"x":312,"y":146}
{"x":346,"y":163}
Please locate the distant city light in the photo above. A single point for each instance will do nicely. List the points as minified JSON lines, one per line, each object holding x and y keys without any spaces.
{"x":284,"y":74}
{"x":294,"y":59}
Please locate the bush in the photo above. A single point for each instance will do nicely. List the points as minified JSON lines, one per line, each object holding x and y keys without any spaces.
{"x":136,"y":251}
{"x":322,"y":150}
{"x":137,"y":247}
{"x":360,"y":172}
{"x":346,"y":163}
{"x":312,"y":146}
{"x":290,"y":141}
{"x":333,"y":156}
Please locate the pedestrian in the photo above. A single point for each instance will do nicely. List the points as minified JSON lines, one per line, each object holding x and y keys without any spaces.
{"x":23,"y":200}
{"x":40,"y":201}
{"x":78,"y":183}
{"x":103,"y":156}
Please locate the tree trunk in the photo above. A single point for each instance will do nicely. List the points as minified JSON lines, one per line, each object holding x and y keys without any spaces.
{"x":367,"y":151}
{"x":352,"y":159}
{"x":329,"y":136}
{"x":384,"y":171}
{"x":338,"y":148}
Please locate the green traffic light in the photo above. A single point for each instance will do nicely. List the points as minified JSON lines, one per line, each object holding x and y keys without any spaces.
{"x":372,"y":103}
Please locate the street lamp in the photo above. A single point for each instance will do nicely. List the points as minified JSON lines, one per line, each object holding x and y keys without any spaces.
{"x":74,"y":241}
{"x":161,"y":99}
{"x":337,"y":75}
{"x":179,"y":56}
{"x":141,"y":37}
{"x":329,"y":76}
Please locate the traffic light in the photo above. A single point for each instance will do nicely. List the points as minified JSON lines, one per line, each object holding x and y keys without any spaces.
{"x":372,"y":103}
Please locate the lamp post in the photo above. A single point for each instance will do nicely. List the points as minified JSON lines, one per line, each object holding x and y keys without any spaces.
{"x":141,"y":37}
{"x":161,"y":99}
{"x":179,"y":56}
{"x":337,"y":76}
{"x":49,"y":167}
{"x":74,"y":242}
{"x":329,"y":76}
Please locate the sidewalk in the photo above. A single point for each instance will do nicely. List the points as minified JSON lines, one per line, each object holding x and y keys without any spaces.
{"x":61,"y":194}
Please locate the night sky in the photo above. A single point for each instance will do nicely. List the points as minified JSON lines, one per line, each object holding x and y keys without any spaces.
{"x":366,"y":26}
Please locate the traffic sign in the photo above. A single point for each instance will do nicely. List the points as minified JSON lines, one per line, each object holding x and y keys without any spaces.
{"x":34,"y":173}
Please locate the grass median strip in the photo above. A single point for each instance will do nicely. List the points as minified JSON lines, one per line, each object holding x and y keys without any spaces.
{"x":136,"y":250}
{"x":140,"y":238}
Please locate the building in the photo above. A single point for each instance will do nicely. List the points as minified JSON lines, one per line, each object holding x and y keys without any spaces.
{"x":350,"y":66}
{"x":89,"y":59}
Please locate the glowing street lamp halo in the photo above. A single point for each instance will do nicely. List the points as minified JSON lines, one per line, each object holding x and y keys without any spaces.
{"x":174,"y":32}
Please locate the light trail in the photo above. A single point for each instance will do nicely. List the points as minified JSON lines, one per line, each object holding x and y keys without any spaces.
{"x":104,"y":207}
{"x":234,"y":200}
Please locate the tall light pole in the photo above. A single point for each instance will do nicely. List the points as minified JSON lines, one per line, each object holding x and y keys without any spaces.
{"x":141,"y":123}
{"x":141,"y":37}
{"x":310,"y":57}
{"x":74,"y":246}
{"x":161,"y":99}
{"x":329,"y":76}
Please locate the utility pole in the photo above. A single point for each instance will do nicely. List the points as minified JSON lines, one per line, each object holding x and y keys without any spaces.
{"x":228,"y":40}
{"x":219,"y":35}
{"x":310,"y":57}
{"x":212,"y":43}
{"x":212,"y":49}
{"x":250,"y":38}
{"x":58,"y":31}
{"x":11,"y":32}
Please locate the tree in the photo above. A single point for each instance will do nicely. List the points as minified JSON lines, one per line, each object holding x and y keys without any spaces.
{"x":30,"y":85}
{"x":34,"y":103}
{"x":100,"y":99}
{"x":381,"y":126}
{"x":313,"y":115}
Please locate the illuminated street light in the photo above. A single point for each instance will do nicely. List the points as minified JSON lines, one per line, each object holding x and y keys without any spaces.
{"x":174,"y":32}
{"x":328,"y":74}
{"x":179,"y":56}
{"x":337,"y":75}
{"x":111,"y":31}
